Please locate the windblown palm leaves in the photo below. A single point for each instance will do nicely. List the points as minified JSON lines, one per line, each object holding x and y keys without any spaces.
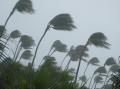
{"x":27,"y":54}
{"x":60,"y":22}
{"x":99,"y":40}
{"x":98,"y":79}
{"x":27,"y":41}
{"x":100,"y":70}
{"x":15,"y":34}
{"x":24,"y":6}
{"x":114,"y":68}
{"x":58,"y":46}
{"x":21,"y":6}
{"x":77,"y":52}
{"x":110,"y":61}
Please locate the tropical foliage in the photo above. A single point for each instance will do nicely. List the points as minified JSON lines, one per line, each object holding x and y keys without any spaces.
{"x":15,"y":74}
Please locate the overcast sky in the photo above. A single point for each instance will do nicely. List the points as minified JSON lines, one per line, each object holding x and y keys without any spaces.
{"x":89,"y":16}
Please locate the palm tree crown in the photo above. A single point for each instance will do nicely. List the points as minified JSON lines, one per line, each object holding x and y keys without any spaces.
{"x":26,"y":54}
{"x":15,"y":34}
{"x":62,"y":22}
{"x":98,"y":39}
{"x":24,"y":6}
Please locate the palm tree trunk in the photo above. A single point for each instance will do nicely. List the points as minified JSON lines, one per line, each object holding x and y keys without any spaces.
{"x":91,"y":79}
{"x":67,"y":66}
{"x":52,"y":52}
{"x":63,"y":60}
{"x":76,"y":76}
{"x":19,"y":50}
{"x":86,"y":69}
{"x":11,"y":13}
{"x":39,"y":44}
{"x":49,"y":51}
{"x":16,"y":50}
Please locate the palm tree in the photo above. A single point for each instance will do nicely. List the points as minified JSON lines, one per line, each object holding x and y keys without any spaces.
{"x":99,"y":70}
{"x":92,"y":61}
{"x":83,"y":79}
{"x":14,"y":34}
{"x":97,"y":79}
{"x":27,"y":54}
{"x":109,"y":62}
{"x":60,"y":22}
{"x":25,"y":42}
{"x":75,"y":54}
{"x":21,"y":6}
{"x":97,"y":39}
{"x":113,"y":69}
{"x":68,"y":54}
{"x":56,"y":46}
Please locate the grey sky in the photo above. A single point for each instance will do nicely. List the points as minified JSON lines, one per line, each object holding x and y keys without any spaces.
{"x":89,"y":16}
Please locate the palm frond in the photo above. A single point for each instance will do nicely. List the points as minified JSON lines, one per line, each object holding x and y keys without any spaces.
{"x":62,"y":22}
{"x":59,"y":46}
{"x":15,"y":34}
{"x":24,"y":6}
{"x":26,"y":54}
{"x":27,"y":41}
{"x":98,"y":39}
{"x":110,"y":61}
{"x":114,"y":68}
{"x":98,"y":79}
{"x":100,"y":70}
{"x":93,"y":60}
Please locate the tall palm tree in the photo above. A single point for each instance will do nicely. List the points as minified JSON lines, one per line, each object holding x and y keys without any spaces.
{"x":21,"y":6}
{"x":97,"y":79}
{"x":99,"y":70}
{"x":92,"y":61}
{"x":75,"y":54}
{"x":97,"y":39}
{"x":68,"y":54}
{"x":25,"y":42}
{"x":56,"y":46}
{"x":27,"y":54}
{"x":60,"y":22}
{"x":14,"y":34}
